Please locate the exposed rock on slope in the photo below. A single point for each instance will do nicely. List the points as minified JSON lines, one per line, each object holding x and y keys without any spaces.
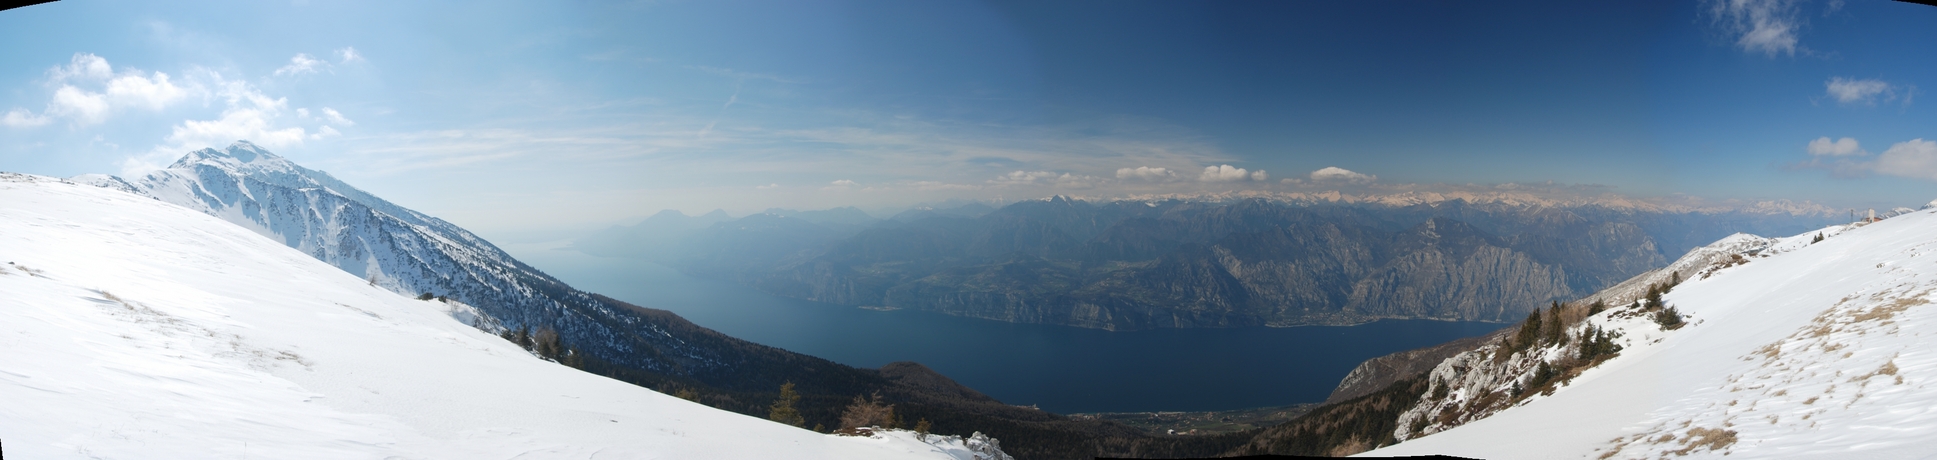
{"x":1377,"y":373}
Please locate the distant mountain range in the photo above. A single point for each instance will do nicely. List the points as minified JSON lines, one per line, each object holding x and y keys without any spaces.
{"x":1127,"y":265}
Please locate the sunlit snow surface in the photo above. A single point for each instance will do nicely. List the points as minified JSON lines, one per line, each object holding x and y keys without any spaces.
{"x":132,"y":328}
{"x":1822,"y":350}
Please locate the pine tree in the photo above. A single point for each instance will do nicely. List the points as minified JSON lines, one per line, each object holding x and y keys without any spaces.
{"x":1597,"y":307}
{"x":783,"y":409}
{"x":921,"y":429}
{"x":1555,"y":331}
{"x":1529,"y":331}
{"x":1668,"y":318}
{"x":1819,"y":239}
{"x":546,"y":343}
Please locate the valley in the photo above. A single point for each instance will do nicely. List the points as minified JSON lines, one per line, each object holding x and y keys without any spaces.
{"x":1060,"y":369}
{"x":1127,"y":265}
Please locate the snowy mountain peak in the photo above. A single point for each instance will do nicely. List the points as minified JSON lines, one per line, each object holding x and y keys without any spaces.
{"x":240,"y":153}
{"x":411,"y":253}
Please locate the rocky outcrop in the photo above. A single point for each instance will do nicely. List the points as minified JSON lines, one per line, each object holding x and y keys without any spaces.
{"x":1378,"y":373}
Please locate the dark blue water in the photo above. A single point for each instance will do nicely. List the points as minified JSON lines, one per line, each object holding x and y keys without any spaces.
{"x":1061,"y":369}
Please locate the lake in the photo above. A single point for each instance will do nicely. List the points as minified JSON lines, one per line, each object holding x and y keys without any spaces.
{"x":1058,"y":368}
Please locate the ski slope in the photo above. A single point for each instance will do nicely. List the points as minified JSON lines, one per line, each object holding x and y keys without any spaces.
{"x":134,"y":328}
{"x":1823,"y":350}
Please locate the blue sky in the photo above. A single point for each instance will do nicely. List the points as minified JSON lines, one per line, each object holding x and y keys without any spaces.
{"x":528,"y":120}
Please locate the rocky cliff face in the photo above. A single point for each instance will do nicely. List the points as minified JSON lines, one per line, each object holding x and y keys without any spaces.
{"x":1129,"y":265}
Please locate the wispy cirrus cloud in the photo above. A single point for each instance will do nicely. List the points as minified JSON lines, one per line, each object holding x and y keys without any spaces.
{"x":1768,"y":27}
{"x":1867,"y":91}
{"x":300,"y":64}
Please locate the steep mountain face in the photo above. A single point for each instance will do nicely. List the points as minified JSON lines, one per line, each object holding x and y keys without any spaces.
{"x":140,"y":329}
{"x":1129,"y":265}
{"x":410,"y":253}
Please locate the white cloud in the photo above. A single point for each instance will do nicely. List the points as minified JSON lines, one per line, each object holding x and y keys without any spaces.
{"x":325,"y":132}
{"x":1023,"y":178}
{"x":301,"y":64}
{"x":1864,"y":91}
{"x":336,"y":118}
{"x":250,"y":115}
{"x":152,"y":93}
{"x":1915,"y":158}
{"x":1059,"y":180}
{"x":843,"y":183}
{"x":1146,"y":173}
{"x":1258,"y":175}
{"x":1337,"y":174}
{"x":1759,"y":26}
{"x":80,"y":105}
{"x":132,"y":89}
{"x":767,"y":187}
{"x":1228,"y":173}
{"x":21,"y":118}
{"x":82,"y":66}
{"x":348,"y":54}
{"x":1823,"y":146}
{"x":1075,"y":181}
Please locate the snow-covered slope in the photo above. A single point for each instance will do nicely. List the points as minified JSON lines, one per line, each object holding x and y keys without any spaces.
{"x":1802,"y":350}
{"x":411,"y":253}
{"x":133,"y":328}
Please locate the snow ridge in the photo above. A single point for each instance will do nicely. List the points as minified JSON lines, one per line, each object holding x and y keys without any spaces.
{"x":407,"y":252}
{"x":1792,"y":347}
{"x":139,"y":329}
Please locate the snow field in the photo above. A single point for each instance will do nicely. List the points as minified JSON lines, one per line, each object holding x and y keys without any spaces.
{"x":1807,"y":350}
{"x":133,"y":328}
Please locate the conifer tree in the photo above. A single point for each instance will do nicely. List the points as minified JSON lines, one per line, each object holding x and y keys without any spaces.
{"x":1529,"y":331}
{"x":783,"y":409}
{"x":1555,"y":331}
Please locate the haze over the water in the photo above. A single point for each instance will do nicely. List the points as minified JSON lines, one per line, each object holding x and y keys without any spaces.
{"x":543,"y":120}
